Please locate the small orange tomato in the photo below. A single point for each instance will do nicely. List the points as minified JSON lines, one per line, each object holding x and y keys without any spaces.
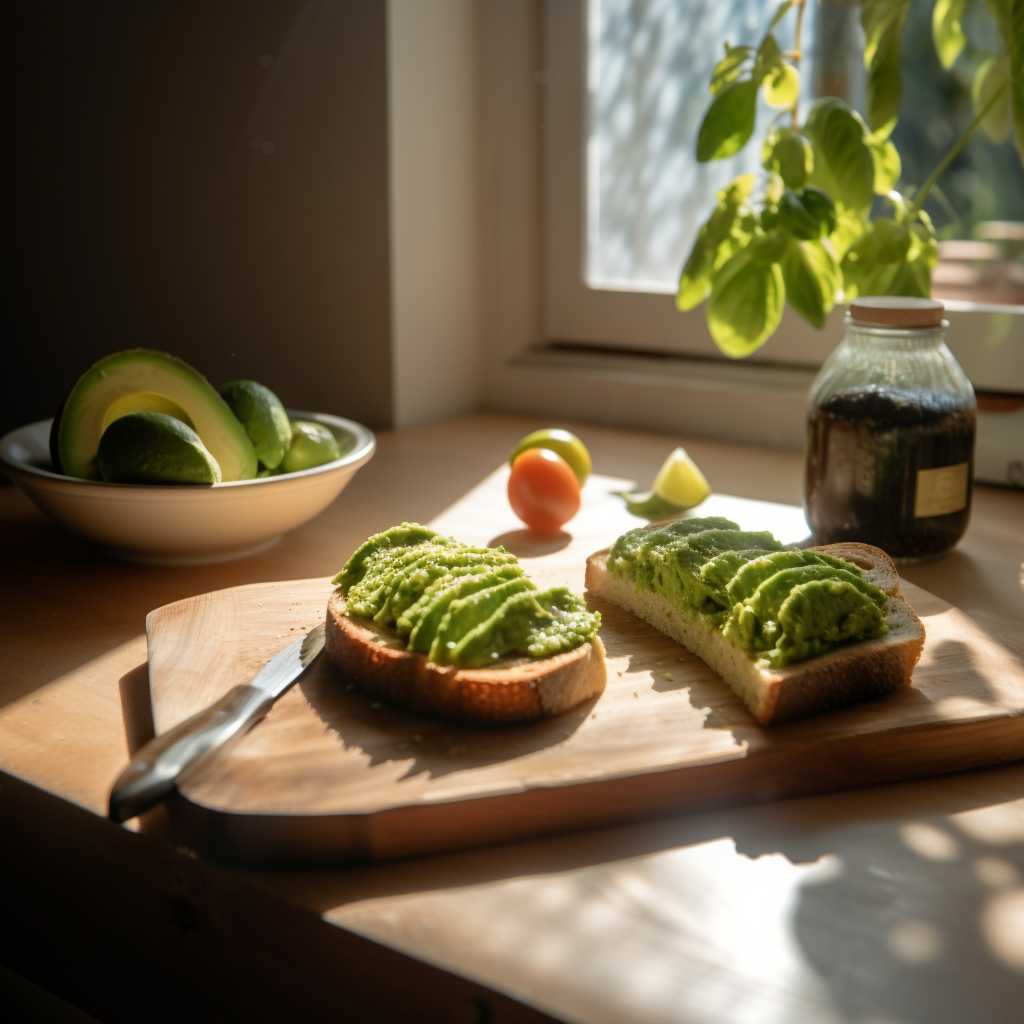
{"x":543,"y":490}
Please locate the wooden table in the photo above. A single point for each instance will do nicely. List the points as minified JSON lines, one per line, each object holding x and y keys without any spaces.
{"x":898,"y":903}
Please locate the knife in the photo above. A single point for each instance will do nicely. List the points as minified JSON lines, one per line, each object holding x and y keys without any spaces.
{"x":178,"y":753}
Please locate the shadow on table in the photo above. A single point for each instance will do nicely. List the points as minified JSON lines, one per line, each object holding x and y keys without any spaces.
{"x":951,"y":576}
{"x":383,"y":733}
{"x":531,"y":543}
{"x":801,"y":829}
{"x":903,"y":917}
{"x":136,"y":707}
{"x":920,"y":922}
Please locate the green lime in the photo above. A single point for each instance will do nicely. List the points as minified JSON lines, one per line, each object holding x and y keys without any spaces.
{"x":562,"y":443}
{"x":312,"y":445}
{"x":680,"y":482}
{"x":154,"y":448}
{"x":266,"y":423}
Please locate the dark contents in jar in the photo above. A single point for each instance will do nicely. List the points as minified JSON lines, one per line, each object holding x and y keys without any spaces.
{"x":864,"y":451}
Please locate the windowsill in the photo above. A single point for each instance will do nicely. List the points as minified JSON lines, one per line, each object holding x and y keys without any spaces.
{"x":745,"y":402}
{"x":665,"y":369}
{"x":718,"y":399}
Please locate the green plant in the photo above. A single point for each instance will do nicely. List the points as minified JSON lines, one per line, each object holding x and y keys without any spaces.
{"x":824,"y":222}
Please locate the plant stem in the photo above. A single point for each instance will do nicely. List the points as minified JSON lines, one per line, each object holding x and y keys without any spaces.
{"x":797,"y":54}
{"x":951,"y":213}
{"x":922,"y":194}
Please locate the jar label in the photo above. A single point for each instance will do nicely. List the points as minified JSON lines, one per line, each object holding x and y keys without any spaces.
{"x":941,"y":491}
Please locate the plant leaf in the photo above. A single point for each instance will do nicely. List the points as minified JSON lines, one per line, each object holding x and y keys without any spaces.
{"x":746,"y":304}
{"x":1017,"y":74}
{"x":922,"y":258}
{"x":1009,"y":18}
{"x":849,"y":228}
{"x":843,"y":164}
{"x":811,"y":278}
{"x":729,"y":121}
{"x":923,"y":244}
{"x":721,"y":236}
{"x":770,"y":247}
{"x":888,"y":165}
{"x":946,"y":31}
{"x":820,"y":206}
{"x":729,"y":68}
{"x":769,"y":57}
{"x":1002,"y":15}
{"x":873,"y":264}
{"x":787,"y":153}
{"x":993,"y":75}
{"x":782,"y":87}
{"x":796,"y":219}
{"x":882,"y":21}
{"x":780,"y":14}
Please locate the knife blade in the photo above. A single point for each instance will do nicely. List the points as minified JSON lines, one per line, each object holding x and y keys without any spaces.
{"x":178,"y":753}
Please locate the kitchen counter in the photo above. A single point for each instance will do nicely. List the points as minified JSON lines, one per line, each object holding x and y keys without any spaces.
{"x":895,"y":903}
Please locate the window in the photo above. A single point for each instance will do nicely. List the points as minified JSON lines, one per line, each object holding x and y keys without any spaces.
{"x":627,"y":88}
{"x":574,"y":330}
{"x":647,"y":71}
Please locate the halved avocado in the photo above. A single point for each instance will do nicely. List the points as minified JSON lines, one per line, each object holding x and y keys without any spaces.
{"x":139,"y":380}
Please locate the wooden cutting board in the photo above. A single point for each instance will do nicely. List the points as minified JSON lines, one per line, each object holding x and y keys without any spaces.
{"x":331,"y":776}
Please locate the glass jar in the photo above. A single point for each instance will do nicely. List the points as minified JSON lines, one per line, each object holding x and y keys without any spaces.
{"x":891,"y":424}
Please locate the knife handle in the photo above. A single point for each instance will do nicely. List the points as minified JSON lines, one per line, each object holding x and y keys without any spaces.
{"x":169,"y":757}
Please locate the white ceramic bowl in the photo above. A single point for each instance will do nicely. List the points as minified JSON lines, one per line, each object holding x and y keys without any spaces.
{"x":182,"y":525}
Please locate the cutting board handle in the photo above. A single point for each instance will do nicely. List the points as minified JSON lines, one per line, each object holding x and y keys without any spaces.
{"x":178,"y":752}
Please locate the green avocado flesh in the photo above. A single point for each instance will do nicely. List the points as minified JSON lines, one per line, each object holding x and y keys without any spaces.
{"x":776,"y":604}
{"x":142,"y":381}
{"x":458,"y":604}
{"x":153,"y":448}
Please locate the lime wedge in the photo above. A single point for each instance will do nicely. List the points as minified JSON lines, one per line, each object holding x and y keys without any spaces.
{"x":680,"y":482}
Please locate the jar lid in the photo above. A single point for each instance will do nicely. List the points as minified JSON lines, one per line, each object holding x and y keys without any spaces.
{"x":897,"y":311}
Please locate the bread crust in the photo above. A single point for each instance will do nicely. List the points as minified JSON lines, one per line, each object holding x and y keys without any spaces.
{"x":846,"y":675}
{"x":878,"y":567}
{"x":518,"y":690}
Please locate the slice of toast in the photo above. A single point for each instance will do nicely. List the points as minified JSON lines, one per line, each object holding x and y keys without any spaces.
{"x":845,"y":675}
{"x":515,"y":691}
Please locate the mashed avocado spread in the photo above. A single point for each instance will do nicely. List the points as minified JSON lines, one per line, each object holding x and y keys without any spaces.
{"x":457,"y":604}
{"x":777,"y":604}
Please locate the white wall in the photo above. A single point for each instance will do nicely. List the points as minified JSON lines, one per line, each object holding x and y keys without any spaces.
{"x":434,"y":127}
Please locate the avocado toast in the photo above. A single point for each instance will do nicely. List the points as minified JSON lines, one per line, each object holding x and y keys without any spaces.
{"x":794,"y":633}
{"x":444,"y":628}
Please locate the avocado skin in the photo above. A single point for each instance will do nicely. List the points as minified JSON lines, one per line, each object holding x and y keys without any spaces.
{"x":152,"y":448}
{"x":260,"y":411}
{"x":55,"y":436}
